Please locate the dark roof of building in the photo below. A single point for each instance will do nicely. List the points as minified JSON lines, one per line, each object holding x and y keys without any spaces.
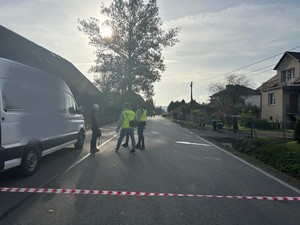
{"x":296,"y":55}
{"x":275,"y":81}
{"x":245,"y":91}
{"x":271,"y":83}
{"x":22,"y":50}
{"x":248,"y":91}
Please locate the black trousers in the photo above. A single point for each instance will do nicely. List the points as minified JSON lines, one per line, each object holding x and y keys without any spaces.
{"x":94,"y":140}
{"x":141,"y":138}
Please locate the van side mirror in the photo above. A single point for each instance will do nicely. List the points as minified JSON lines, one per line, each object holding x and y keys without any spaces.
{"x":72,"y":110}
{"x":81,"y":109}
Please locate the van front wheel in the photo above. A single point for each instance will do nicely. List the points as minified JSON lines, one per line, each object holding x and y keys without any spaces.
{"x":30,"y":161}
{"x":80,"y":140}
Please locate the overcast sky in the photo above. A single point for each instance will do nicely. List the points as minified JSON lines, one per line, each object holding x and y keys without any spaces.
{"x":216,"y":38}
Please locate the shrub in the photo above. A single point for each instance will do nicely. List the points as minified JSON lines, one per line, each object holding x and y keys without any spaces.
{"x":261,"y":124}
{"x":272,"y":151}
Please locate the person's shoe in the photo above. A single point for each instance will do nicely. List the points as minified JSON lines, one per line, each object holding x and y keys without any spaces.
{"x":116,"y":150}
{"x":142,"y":148}
{"x":125,"y":145}
{"x":132,"y":151}
{"x":94,"y":150}
{"x":137,"y":146}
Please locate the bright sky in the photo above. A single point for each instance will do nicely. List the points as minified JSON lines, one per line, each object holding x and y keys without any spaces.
{"x":217,"y":37}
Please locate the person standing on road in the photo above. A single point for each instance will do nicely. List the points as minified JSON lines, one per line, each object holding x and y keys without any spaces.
{"x":126,"y":115}
{"x":141,"y":117}
{"x":125,"y":145}
{"x":96,"y":131}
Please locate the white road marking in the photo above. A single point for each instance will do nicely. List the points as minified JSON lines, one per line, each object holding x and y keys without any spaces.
{"x":243,"y":161}
{"x":213,"y":158}
{"x":191,"y":143}
{"x":84,"y":157}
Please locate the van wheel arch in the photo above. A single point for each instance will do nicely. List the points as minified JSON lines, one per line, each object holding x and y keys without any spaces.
{"x":30,"y":160}
{"x":80,"y":139}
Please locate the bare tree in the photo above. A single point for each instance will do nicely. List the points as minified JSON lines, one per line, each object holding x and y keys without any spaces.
{"x":228,"y":95}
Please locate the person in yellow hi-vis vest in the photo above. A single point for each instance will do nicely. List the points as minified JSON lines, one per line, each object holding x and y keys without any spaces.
{"x":126,"y":116}
{"x":141,"y":117}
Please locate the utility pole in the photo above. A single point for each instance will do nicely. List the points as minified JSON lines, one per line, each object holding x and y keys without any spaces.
{"x":191,"y":93}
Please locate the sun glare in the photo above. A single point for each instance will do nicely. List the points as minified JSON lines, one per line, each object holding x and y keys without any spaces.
{"x":106,"y":32}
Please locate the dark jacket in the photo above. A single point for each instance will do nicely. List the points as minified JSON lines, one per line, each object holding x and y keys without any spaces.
{"x":95,"y":121}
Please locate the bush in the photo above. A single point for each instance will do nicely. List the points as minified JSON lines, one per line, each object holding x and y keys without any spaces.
{"x":261,"y":124}
{"x":297,"y":131}
{"x":281,"y":158}
{"x":273,"y":152}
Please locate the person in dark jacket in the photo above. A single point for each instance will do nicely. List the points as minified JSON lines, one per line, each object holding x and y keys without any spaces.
{"x":96,"y":131}
{"x":141,"y":117}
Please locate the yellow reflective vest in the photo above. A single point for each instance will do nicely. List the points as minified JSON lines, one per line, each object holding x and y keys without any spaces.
{"x":128,"y":115}
{"x":144,"y":115}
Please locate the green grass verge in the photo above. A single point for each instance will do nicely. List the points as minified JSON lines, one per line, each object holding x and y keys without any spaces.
{"x":282,"y":156}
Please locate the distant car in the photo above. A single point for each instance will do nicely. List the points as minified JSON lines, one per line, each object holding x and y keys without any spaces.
{"x":39,"y":115}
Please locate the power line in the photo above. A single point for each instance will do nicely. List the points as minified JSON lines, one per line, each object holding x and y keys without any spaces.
{"x":252,"y":64}
{"x":250,"y":72}
{"x":261,"y":68}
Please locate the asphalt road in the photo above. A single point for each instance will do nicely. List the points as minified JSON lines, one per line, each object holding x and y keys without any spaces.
{"x":175,"y":161}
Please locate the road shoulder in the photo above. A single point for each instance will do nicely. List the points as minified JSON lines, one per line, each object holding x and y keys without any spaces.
{"x":221,"y":140}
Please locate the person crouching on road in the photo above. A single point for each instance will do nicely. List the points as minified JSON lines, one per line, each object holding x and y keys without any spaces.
{"x":126,"y":115}
{"x":96,"y":131}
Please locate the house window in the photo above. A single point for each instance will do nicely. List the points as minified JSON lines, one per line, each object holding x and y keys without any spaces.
{"x":271,"y":99}
{"x":287,"y":75}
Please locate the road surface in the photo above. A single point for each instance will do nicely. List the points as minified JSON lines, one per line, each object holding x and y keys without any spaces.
{"x":175,"y":161}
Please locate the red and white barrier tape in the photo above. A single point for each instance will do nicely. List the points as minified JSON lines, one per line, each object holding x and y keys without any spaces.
{"x":135,"y":193}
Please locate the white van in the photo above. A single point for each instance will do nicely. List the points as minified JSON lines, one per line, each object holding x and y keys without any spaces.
{"x":38,"y":115}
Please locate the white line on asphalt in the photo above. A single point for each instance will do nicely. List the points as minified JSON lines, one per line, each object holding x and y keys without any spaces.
{"x":245,"y":162}
{"x":191,"y":143}
{"x":213,"y":158}
{"x":84,"y":157}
